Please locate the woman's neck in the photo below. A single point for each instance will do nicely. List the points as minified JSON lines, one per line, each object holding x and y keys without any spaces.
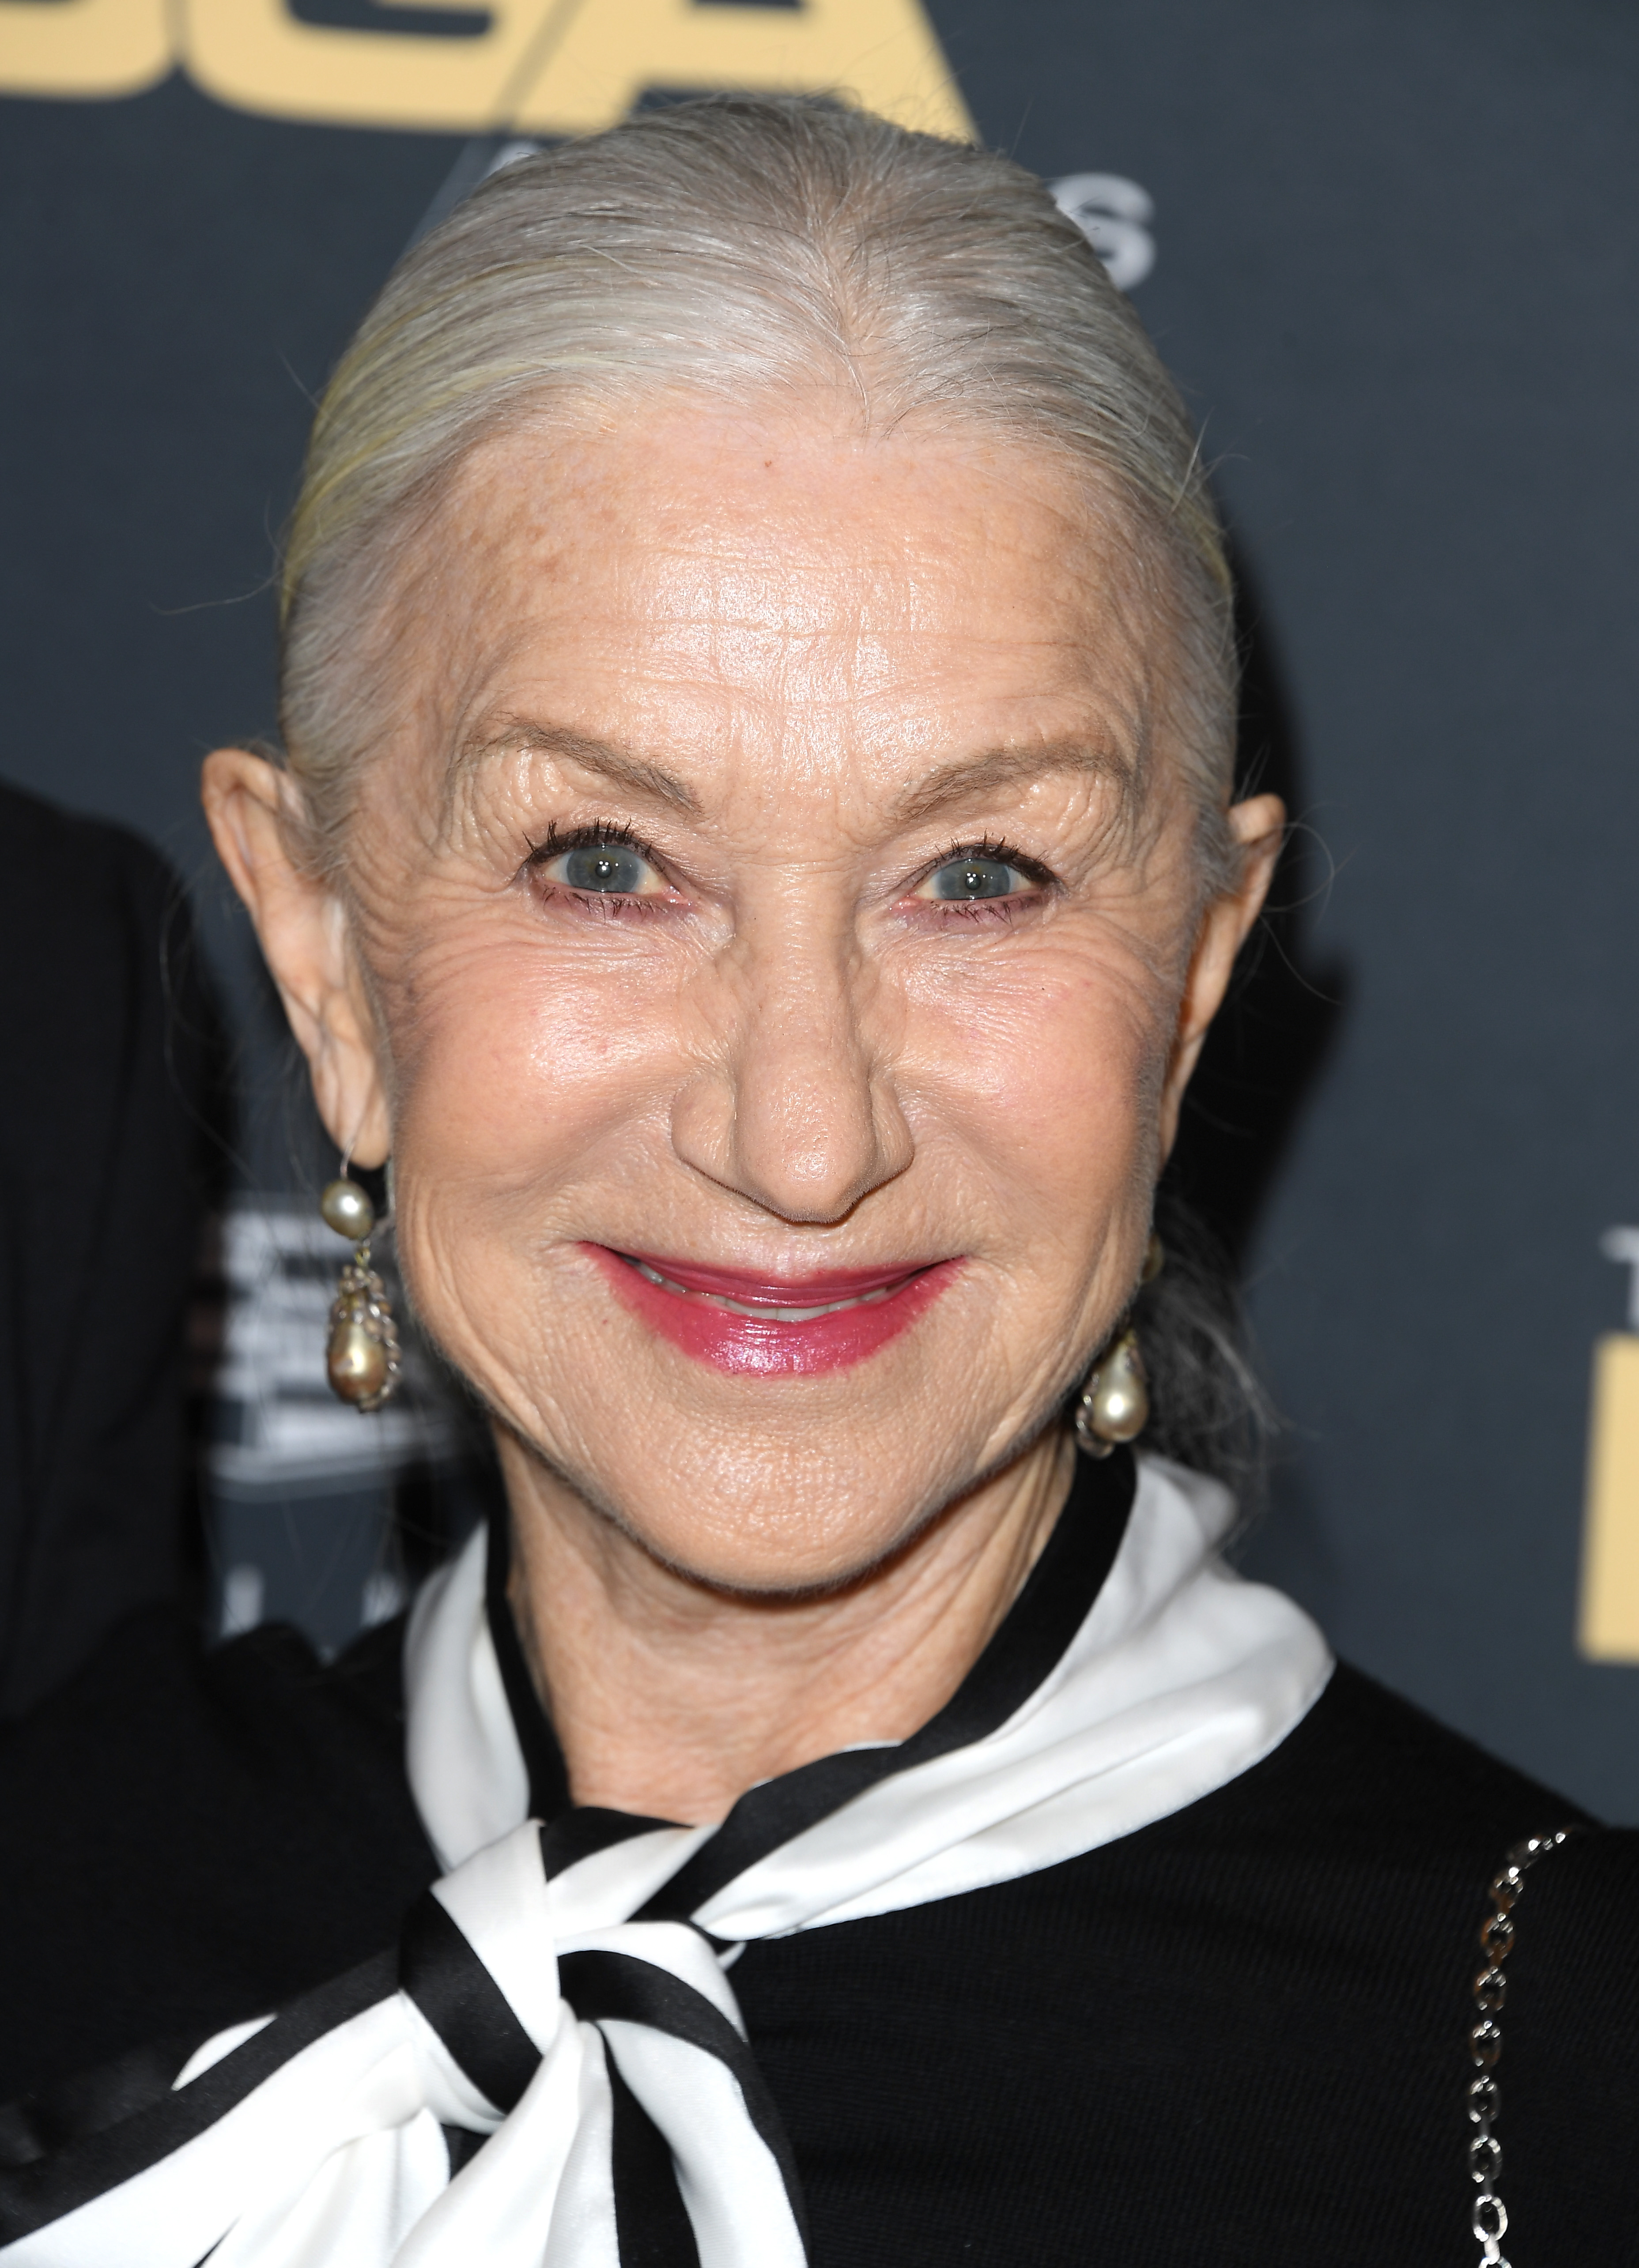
{"x":670,"y":1698}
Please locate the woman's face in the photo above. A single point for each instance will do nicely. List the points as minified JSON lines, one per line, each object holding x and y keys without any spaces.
{"x":776,"y":909}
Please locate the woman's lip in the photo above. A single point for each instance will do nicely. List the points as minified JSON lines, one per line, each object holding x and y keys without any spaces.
{"x":797,"y":1296}
{"x":789,"y":1331}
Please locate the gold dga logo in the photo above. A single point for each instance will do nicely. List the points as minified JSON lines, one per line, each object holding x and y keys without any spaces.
{"x":545,"y":66}
{"x":1609,"y":1623}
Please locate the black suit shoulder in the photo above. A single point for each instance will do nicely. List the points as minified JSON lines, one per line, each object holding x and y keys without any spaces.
{"x":1365,"y":1764}
{"x":1238,"y":2034}
{"x":107,"y":1119}
{"x":188,"y":1836}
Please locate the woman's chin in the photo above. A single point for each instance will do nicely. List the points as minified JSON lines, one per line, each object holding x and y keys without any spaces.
{"x":773,"y":1484}
{"x":737,"y":1549}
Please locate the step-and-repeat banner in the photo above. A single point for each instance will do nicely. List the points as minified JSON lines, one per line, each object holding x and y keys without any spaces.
{"x":1389,"y":252}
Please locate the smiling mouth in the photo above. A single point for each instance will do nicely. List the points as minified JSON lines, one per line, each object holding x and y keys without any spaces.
{"x":766,"y":1311}
{"x":734,"y":1320}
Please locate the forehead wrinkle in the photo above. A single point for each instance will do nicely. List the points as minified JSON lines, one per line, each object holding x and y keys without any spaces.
{"x":994,"y":767}
{"x":509,"y":736}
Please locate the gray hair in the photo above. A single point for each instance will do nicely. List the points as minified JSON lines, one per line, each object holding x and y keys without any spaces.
{"x":736,"y":247}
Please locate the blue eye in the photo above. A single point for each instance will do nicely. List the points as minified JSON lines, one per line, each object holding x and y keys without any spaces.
{"x":607,"y":866}
{"x":973,"y":878}
{"x":601,"y":866}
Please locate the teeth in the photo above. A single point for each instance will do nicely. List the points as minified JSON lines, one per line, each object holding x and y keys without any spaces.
{"x":769,"y":1314}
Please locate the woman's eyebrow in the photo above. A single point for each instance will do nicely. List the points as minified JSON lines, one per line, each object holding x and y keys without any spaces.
{"x":971,"y":776}
{"x":510,"y":735}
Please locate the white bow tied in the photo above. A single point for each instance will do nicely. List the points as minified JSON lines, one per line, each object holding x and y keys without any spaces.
{"x":563,"y":1990}
{"x":605,"y":2058}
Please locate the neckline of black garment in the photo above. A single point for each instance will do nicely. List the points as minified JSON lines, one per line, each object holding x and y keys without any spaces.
{"x":1030,"y":1640}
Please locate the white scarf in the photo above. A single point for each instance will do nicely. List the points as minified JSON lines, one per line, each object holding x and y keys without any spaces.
{"x":566,"y":1991}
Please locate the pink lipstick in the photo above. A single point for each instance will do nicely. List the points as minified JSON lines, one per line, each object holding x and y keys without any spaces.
{"x":774,"y":1326}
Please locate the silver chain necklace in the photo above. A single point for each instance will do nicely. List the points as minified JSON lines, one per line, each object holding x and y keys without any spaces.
{"x":1489,"y":2217}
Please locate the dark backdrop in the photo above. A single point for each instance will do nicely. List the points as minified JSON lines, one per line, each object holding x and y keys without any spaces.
{"x":1395,"y":243}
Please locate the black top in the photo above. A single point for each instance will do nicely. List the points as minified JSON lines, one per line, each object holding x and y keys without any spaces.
{"x":1237,"y":2036}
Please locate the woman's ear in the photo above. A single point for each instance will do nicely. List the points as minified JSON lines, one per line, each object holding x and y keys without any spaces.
{"x":254,"y":810}
{"x":1257,"y":829}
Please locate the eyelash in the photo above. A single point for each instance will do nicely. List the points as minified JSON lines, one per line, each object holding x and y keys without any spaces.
{"x":608,"y":834}
{"x":1002,"y":850}
{"x":986,"y":910}
{"x":603,"y":834}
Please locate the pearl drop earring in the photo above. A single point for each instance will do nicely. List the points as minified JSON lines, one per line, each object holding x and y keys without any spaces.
{"x":361,"y":1354}
{"x":1113,"y":1406}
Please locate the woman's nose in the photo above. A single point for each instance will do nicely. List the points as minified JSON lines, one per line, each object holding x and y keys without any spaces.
{"x":799,"y":1112}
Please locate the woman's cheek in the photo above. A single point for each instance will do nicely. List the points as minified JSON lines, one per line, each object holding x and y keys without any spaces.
{"x":1054,"y":1072}
{"x":521,"y":1062}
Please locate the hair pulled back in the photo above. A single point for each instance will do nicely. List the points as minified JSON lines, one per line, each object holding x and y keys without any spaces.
{"x":740,"y":248}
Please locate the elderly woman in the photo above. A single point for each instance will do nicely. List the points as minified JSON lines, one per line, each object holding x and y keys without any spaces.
{"x":756,"y":859}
